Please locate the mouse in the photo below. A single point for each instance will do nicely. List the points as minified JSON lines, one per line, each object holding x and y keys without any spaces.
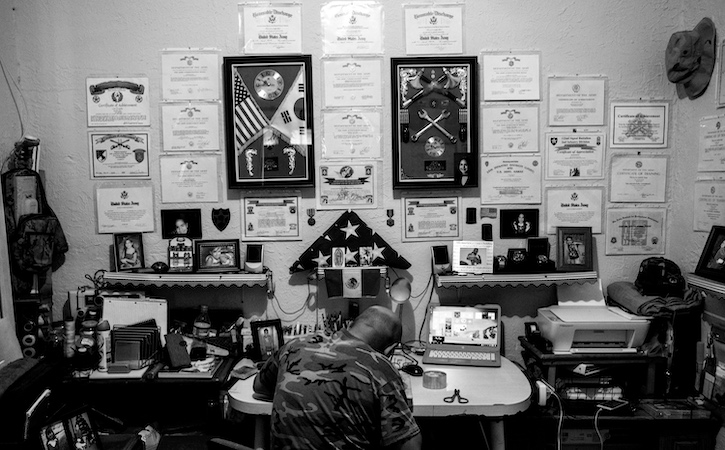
{"x":413,"y":369}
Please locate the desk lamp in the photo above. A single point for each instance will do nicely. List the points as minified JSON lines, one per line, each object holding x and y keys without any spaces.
{"x":399,"y":292}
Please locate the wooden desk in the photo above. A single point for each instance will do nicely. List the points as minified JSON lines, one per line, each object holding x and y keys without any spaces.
{"x":493,"y":392}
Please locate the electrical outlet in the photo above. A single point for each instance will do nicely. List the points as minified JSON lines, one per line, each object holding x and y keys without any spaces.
{"x":542,"y":392}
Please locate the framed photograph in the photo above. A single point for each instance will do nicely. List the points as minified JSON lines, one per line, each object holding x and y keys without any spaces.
{"x":538,"y":247}
{"x":435,"y":118}
{"x":267,"y":337}
{"x":518,"y":223}
{"x":712,"y":259}
{"x":473,"y":257}
{"x":217,"y":256}
{"x":128,"y":249}
{"x":181,"y":223}
{"x":269,"y":121}
{"x":574,"y":249}
{"x":54,"y":437}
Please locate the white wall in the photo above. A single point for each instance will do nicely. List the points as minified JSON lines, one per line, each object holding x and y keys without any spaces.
{"x":54,"y":46}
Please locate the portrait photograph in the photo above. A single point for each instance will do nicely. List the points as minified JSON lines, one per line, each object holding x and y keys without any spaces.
{"x":518,"y":223}
{"x":267,"y":337}
{"x":574,"y":249}
{"x":128,"y":249}
{"x":82,"y":433}
{"x":217,"y":256}
{"x":712,"y":259}
{"x":54,"y":437}
{"x":181,"y":223}
{"x":473,"y":256}
{"x":466,"y":174}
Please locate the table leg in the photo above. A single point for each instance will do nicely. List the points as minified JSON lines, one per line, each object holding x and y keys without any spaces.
{"x":497,"y":435}
{"x":260,"y":432}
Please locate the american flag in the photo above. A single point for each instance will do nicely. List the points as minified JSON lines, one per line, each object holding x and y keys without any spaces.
{"x":249,"y":119}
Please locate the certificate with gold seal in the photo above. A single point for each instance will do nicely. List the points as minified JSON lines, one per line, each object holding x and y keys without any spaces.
{"x":431,"y":218}
{"x":510,"y":179}
{"x":270,"y":218}
{"x":638,"y":178}
{"x":270,"y":28}
{"x":638,"y":124}
{"x":353,"y":82}
{"x":120,"y":155}
{"x":709,"y":204}
{"x":190,"y":126}
{"x":712,"y":145}
{"x":352,"y":28}
{"x":351,"y":133}
{"x":510,"y":127}
{"x":577,"y":101}
{"x":118,"y":102}
{"x":190,"y":74}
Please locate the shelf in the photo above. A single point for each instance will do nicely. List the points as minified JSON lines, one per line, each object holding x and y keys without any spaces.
{"x":188,"y":279}
{"x":383,"y":270}
{"x":706,"y":283}
{"x":515,"y":279}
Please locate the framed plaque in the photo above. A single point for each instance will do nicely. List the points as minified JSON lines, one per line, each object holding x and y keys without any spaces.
{"x":435,"y":118}
{"x":268,"y":121}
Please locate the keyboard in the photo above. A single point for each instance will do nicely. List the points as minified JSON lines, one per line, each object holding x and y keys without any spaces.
{"x":463,"y":358}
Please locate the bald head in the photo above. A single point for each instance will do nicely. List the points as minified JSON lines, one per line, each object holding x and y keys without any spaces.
{"x":378,"y":327}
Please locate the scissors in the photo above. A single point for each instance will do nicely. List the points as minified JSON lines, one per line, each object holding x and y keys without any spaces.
{"x":456,"y":395}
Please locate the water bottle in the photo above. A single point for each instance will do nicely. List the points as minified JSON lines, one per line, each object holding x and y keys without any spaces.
{"x":202,"y":323}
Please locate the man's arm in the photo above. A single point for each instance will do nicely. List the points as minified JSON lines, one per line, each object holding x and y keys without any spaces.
{"x":265,"y":381}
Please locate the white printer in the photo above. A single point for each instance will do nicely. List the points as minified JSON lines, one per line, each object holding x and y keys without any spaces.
{"x":583,"y":323}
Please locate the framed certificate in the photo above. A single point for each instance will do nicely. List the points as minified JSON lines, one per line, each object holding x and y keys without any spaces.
{"x":575,"y":155}
{"x":345,"y":185}
{"x":510,"y":127}
{"x":120,"y":155}
{"x":352,"y":82}
{"x":574,"y":206}
{"x":712,"y":144}
{"x":269,"y":121}
{"x":435,"y":113}
{"x":271,"y":218}
{"x":118,"y":102}
{"x":636,"y":231}
{"x":577,"y":101}
{"x":351,"y":134}
{"x":430,"y":219}
{"x":511,"y":76}
{"x":639,"y":124}
{"x":638,"y":178}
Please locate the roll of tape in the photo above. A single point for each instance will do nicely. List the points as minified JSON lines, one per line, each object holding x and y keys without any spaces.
{"x":434,"y":379}
{"x":28,"y":340}
{"x":29,"y":352}
{"x":28,"y":327}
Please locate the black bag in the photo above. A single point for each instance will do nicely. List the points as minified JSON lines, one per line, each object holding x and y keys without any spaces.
{"x":36,"y":242}
{"x":660,"y":276}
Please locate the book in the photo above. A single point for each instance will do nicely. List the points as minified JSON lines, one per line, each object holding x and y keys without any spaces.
{"x":199,"y":369}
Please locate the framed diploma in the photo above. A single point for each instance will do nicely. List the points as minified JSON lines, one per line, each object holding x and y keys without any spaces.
{"x":712,"y":145}
{"x":190,"y":126}
{"x":638,"y":124}
{"x":345,"y":185}
{"x":510,"y":179}
{"x":574,"y":206}
{"x":188,"y":74}
{"x":353,"y":82}
{"x":510,"y":127}
{"x":575,"y":155}
{"x":269,"y":121}
{"x":351,"y":133}
{"x":270,"y":28}
{"x":709,"y":204}
{"x":430,"y":219}
{"x":118,"y":102}
{"x":125,"y":208}
{"x":636,"y":231}
{"x":577,"y":101}
{"x":511,"y":76}
{"x":638,"y":178}
{"x":271,"y":218}
{"x":189,"y":178}
{"x":119,"y":155}
{"x":435,"y":113}
{"x":435,"y":29}
{"x":352,"y":28}
{"x":721,"y":78}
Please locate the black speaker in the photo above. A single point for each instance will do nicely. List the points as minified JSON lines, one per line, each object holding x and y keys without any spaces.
{"x":254,"y":261}
{"x":32,"y":320}
{"x":441,"y":262}
{"x":486,"y":232}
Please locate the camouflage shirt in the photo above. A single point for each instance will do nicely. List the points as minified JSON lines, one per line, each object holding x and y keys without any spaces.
{"x":335,"y":393}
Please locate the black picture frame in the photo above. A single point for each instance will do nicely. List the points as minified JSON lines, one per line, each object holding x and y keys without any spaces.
{"x":709,"y":265}
{"x":574,"y":249}
{"x":511,"y":225}
{"x":217,"y":256}
{"x":76,"y":427}
{"x":269,"y":123}
{"x":128,"y":251}
{"x":267,"y":337}
{"x":517,"y":259}
{"x":181,"y":223}
{"x":435,"y":118}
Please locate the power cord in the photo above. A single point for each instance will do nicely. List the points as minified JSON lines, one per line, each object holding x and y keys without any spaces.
{"x":551,"y":389}
{"x":596,"y":428}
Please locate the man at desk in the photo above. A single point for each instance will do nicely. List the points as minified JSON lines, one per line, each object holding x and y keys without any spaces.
{"x":340,"y":392}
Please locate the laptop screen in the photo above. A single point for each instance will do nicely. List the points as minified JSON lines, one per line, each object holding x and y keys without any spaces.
{"x":465,"y":325}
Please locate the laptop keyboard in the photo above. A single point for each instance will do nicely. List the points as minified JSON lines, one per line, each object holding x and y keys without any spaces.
{"x":450,"y":354}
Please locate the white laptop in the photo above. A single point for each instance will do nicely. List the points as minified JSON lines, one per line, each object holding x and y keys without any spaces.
{"x":464,"y":335}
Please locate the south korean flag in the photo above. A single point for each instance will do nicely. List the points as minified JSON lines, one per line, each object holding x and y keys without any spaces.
{"x":290,"y":117}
